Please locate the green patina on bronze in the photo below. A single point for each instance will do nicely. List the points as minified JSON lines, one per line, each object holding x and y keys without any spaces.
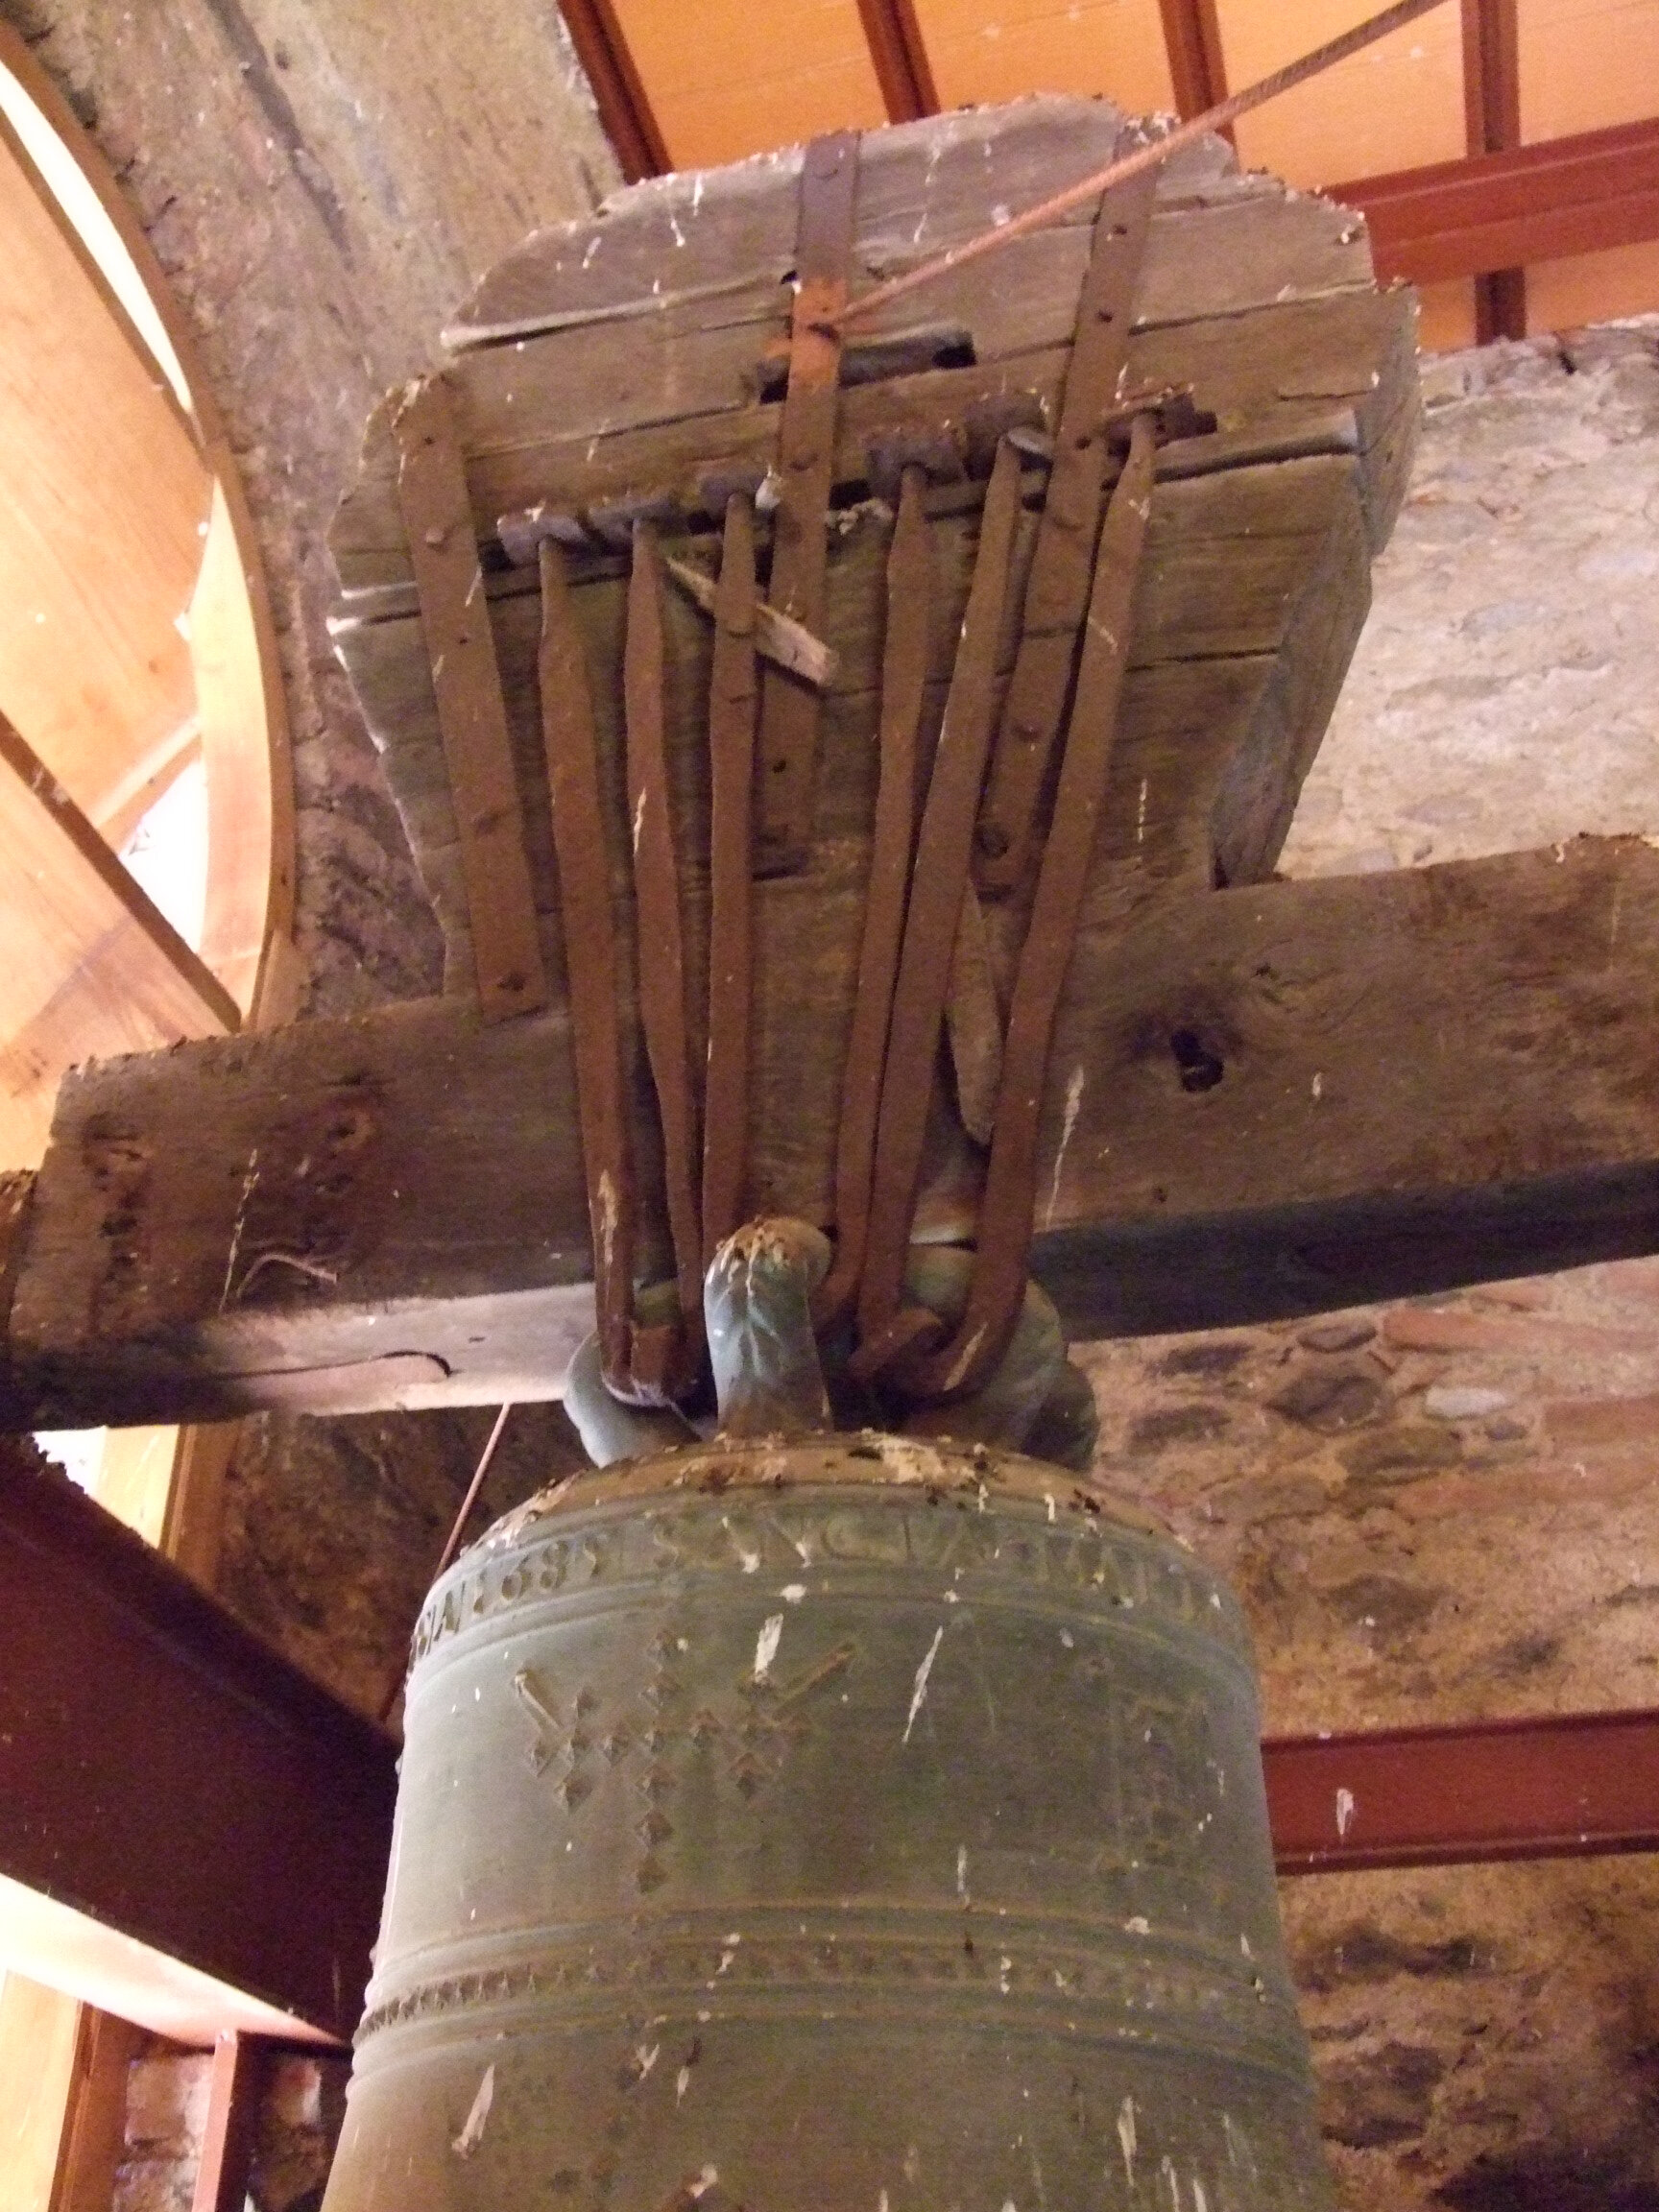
{"x":820,"y":1822}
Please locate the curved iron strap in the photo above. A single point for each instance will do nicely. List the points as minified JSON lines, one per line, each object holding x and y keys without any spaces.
{"x":885,"y":1328}
{"x":732,"y":695}
{"x":661,"y":955}
{"x":1005,"y":1213}
{"x":591,"y":965}
{"x":1057,"y":591}
{"x":904,"y":684}
{"x":789,"y":709}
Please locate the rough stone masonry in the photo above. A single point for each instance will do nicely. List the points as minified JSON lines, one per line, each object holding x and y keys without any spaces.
{"x":1448,"y":1508}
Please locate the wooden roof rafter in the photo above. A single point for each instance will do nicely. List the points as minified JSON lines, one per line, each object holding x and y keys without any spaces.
{"x":1197,"y":63}
{"x":899,"y":53}
{"x":618,"y":90}
{"x":1492,"y":122}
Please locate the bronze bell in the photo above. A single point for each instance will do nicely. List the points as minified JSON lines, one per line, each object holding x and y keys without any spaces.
{"x":830,"y":1821}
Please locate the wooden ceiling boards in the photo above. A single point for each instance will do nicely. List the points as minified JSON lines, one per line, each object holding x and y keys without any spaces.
{"x":103,"y":503}
{"x":984,"y":51}
{"x":1585,"y":64}
{"x":91,"y":965}
{"x":724,"y":83}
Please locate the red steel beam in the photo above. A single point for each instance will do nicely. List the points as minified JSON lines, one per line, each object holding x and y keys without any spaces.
{"x":899,"y":56}
{"x":1506,"y":210}
{"x":1563,"y":1785}
{"x":618,"y":90}
{"x":166,"y":1774}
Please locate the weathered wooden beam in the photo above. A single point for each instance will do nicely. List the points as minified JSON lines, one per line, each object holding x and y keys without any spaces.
{"x":1540,"y":203}
{"x":168,"y":1775}
{"x":1275,"y":1099}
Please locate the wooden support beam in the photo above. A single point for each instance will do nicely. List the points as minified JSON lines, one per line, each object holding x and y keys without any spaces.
{"x":65,"y":841}
{"x":1540,"y":203}
{"x":471,"y":717}
{"x":1276,"y":1099}
{"x":174,"y":1781}
{"x":1492,"y":125}
{"x":233,"y":2110}
{"x":1559,"y":1786}
{"x":618,"y":90}
{"x":899,"y":57}
{"x":94,"y":2139}
{"x":1197,"y":65}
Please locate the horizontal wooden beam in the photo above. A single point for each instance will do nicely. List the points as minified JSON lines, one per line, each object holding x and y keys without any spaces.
{"x":1558,"y":1786}
{"x":168,"y":1776}
{"x":1279,"y":1099}
{"x":1506,"y":210}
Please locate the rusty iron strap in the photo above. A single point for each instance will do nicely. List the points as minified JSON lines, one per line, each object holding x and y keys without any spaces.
{"x":937,"y":885}
{"x":472,"y":713}
{"x":732,"y":692}
{"x":660,"y":954}
{"x":1064,"y":558}
{"x":904,"y":684}
{"x":789,"y":709}
{"x":1002,"y":1242}
{"x":591,"y":965}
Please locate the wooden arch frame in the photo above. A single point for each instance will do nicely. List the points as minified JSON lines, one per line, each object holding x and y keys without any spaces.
{"x":247,"y":931}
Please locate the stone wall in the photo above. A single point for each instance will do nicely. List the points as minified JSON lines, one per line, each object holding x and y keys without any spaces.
{"x":333,"y":1529}
{"x":1448,"y":1509}
{"x":1437,"y":1510}
{"x":1501,"y":696}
